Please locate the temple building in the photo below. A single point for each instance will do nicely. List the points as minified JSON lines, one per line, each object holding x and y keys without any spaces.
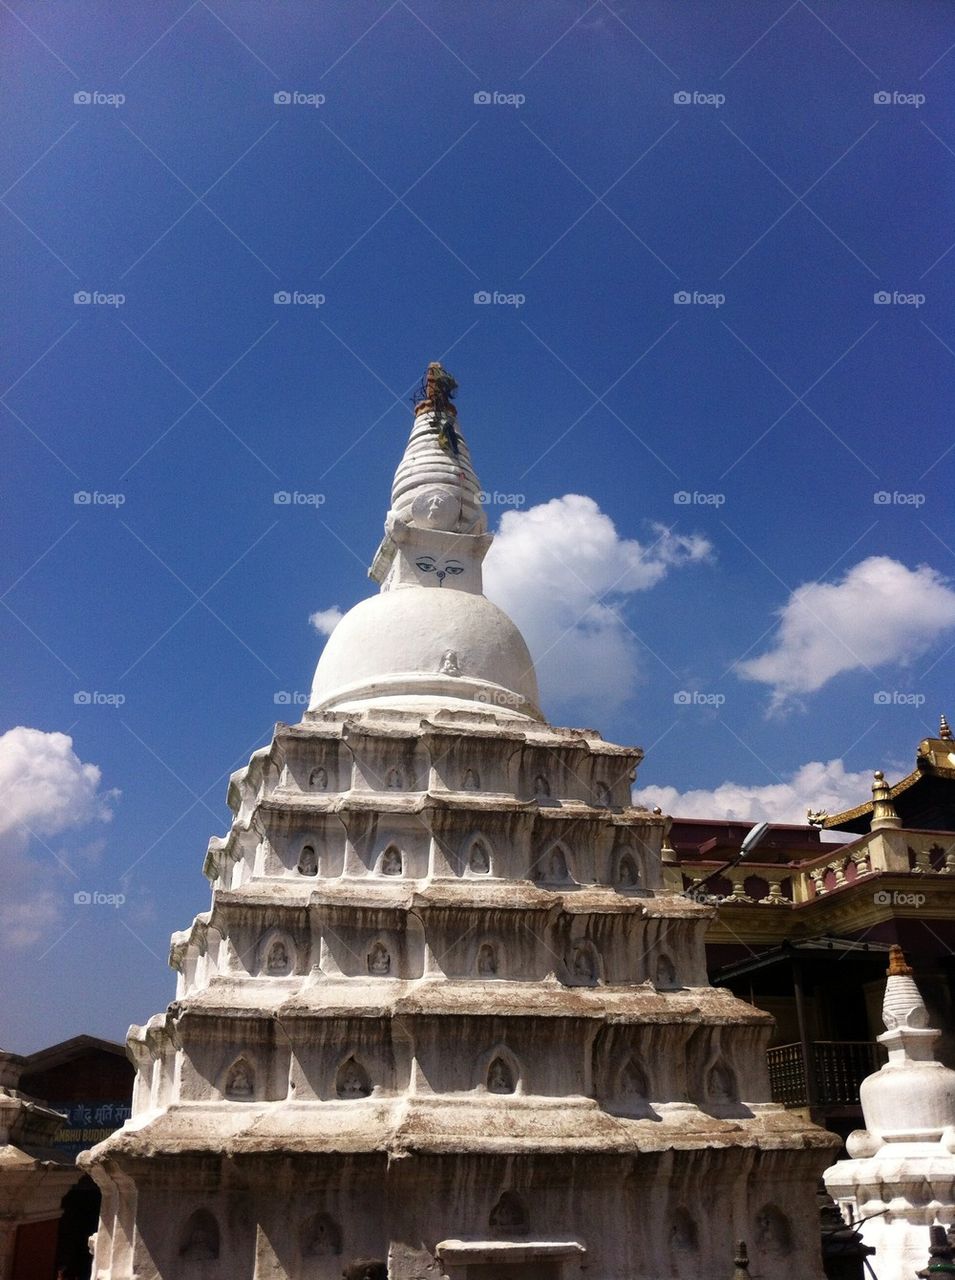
{"x":805,"y":922}
{"x":55,"y":1102}
{"x":446,"y":1016}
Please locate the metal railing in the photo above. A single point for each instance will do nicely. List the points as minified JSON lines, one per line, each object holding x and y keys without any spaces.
{"x":837,"y":1068}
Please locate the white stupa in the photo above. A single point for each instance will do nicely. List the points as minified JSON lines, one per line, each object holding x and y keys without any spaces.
{"x":901,"y":1178}
{"x":441,"y":1019}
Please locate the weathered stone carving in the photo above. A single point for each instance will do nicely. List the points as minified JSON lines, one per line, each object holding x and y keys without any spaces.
{"x":508,"y":1214}
{"x":278,"y":963}
{"x":773,"y":1233}
{"x":379,"y":960}
{"x":391,"y":861}
{"x":479,"y":862}
{"x":200,"y":1238}
{"x":352,"y":1080}
{"x":500,"y":1077}
{"x":240,"y":1081}
{"x":321,"y":1237}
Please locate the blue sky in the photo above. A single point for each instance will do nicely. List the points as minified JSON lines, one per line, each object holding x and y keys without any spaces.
{"x":773,"y":632}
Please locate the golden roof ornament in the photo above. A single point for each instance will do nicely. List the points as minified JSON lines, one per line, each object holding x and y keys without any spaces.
{"x":944,"y":729}
{"x":883,"y":810}
{"x":898,"y":968}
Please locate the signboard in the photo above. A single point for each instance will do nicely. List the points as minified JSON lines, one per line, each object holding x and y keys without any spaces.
{"x":87,"y":1123}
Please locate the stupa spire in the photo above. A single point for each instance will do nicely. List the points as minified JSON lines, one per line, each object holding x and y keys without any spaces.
{"x":435,"y":491}
{"x":407,"y":646}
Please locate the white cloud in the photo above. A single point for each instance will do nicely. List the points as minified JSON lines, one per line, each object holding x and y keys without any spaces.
{"x":326,"y":620}
{"x":816,"y":785}
{"x":563,"y":573}
{"x":45,"y":789}
{"x":879,"y":612}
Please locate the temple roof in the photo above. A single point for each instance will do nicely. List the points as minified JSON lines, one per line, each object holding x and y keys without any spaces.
{"x":924,"y":799}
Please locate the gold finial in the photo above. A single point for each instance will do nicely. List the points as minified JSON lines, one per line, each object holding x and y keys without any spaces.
{"x":883,"y":810}
{"x":436,"y":391}
{"x":439,"y":387}
{"x":897,"y":966}
{"x":944,"y":729}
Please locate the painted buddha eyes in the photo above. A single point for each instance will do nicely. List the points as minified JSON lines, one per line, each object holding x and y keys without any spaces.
{"x":428,"y":564}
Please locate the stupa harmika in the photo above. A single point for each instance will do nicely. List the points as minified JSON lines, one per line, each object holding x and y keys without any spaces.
{"x":441,"y":1017}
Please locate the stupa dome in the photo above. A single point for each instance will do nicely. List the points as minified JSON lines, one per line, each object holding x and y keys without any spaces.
{"x":419,"y":648}
{"x":431,"y":638}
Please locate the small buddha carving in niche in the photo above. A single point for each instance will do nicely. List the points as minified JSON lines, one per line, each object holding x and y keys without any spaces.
{"x":318,"y":779}
{"x":352,"y":1081}
{"x":478,"y":863}
{"x":486,"y":961}
{"x":508,"y":1213}
{"x":500,"y":1078}
{"x":308,"y":863}
{"x":666,"y":972}
{"x":239,"y":1082}
{"x":200,"y":1242}
{"x":627,"y":872}
{"x":720,"y":1085}
{"x":278,"y":959}
{"x":393,"y":780}
{"x":391,"y":862}
{"x":471,"y":780}
{"x":379,"y":960}
{"x":584,"y":966}
{"x":321,"y":1237}
{"x":556,"y":869}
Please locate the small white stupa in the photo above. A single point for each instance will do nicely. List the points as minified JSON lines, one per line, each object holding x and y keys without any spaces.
{"x":901,"y":1178}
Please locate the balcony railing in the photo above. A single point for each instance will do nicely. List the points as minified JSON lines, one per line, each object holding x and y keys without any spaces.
{"x":838,"y":1068}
